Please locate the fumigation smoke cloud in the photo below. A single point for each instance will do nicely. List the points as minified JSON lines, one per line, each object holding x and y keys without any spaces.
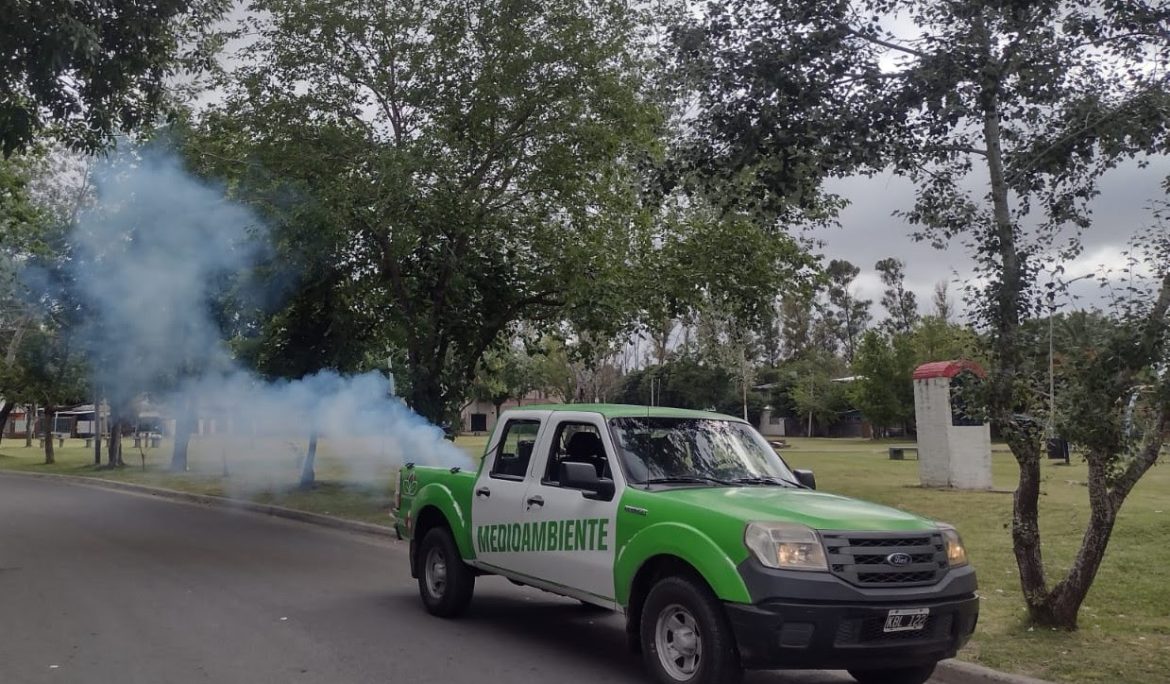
{"x":150,"y":260}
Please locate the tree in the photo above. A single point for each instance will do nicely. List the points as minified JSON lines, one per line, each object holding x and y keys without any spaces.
{"x":1034,"y":101}
{"x":884,"y":389}
{"x":20,"y":220}
{"x":796,"y":324}
{"x":1115,"y":405}
{"x":319,"y":327}
{"x":901,"y":305}
{"x":942,"y":301}
{"x":937,"y":340}
{"x":41,"y":362}
{"x":687,"y":383}
{"x":505,"y":373}
{"x":818,"y":399}
{"x":584,"y":370}
{"x":849,"y":316}
{"x":53,"y":373}
{"x":481,"y":175}
{"x":90,"y":70}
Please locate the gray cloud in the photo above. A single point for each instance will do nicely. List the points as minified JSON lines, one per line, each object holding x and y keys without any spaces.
{"x":869,"y":231}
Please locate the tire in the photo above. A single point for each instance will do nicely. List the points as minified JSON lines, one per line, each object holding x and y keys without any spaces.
{"x":445,"y":582}
{"x":918,"y":674}
{"x":685,"y":635}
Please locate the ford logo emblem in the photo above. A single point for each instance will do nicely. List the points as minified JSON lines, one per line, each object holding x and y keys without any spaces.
{"x":899,"y":559}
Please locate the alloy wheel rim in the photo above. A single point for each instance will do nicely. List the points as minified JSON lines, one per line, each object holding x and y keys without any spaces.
{"x":436,"y":572}
{"x":680,"y":645}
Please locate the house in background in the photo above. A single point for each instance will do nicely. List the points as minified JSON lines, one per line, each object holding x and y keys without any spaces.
{"x":17,"y":422}
{"x":774,"y":424}
{"x":479,"y":417}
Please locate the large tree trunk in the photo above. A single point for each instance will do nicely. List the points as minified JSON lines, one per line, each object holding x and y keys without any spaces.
{"x":1026,"y":525}
{"x":4,"y":413}
{"x":1024,"y":440}
{"x":47,"y":432}
{"x":308,"y":476}
{"x":184,"y":426}
{"x":426,"y":394}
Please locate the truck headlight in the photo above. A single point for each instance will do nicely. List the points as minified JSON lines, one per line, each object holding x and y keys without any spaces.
{"x":786,"y":546}
{"x":956,"y":552}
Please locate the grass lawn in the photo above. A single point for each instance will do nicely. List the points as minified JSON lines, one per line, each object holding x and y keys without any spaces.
{"x":1125,"y":624}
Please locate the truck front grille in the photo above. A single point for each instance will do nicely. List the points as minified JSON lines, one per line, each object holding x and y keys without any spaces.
{"x":863,"y":558}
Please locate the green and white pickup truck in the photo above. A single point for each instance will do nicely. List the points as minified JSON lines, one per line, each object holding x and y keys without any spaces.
{"x":689,"y":524}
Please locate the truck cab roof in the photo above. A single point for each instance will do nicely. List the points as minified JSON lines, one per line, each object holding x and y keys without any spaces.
{"x":628,"y":411}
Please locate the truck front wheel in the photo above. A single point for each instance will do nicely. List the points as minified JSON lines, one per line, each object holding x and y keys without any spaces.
{"x":902,"y":675}
{"x":444,"y":580}
{"x":685,"y":636}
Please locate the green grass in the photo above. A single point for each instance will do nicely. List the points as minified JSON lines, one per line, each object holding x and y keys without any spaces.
{"x":1125,"y":623}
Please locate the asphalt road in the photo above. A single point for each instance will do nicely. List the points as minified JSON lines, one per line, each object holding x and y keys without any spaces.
{"x":101,"y":586}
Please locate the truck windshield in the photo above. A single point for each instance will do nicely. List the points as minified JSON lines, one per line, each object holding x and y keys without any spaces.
{"x":698,"y":450}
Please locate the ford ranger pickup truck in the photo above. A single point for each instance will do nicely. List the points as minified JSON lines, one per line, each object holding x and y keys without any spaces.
{"x":688,"y":523}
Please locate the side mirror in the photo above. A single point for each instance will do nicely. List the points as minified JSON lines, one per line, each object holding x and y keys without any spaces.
{"x":806,"y":478}
{"x":583,"y":476}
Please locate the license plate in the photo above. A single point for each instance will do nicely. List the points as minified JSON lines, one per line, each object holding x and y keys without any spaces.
{"x":906,"y":619}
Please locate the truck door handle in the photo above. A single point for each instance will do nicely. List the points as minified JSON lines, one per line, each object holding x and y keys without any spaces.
{"x":483,"y":491}
{"x":535,"y":501}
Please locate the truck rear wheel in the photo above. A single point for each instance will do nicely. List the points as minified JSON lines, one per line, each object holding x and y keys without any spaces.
{"x":444,"y":580}
{"x":685,"y":636}
{"x":901,"y":675}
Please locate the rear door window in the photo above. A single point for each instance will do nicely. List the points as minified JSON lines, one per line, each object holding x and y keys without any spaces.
{"x":514,"y":452}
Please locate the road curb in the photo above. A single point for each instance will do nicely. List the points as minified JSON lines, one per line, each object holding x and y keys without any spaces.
{"x":216,"y":501}
{"x":959,"y":672}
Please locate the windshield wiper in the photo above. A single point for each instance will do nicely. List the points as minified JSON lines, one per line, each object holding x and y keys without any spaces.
{"x":767,"y":481}
{"x":685,"y":479}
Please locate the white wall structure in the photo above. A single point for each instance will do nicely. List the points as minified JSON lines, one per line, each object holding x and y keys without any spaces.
{"x":949,"y":454}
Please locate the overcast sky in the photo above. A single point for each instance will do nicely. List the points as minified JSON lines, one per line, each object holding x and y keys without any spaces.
{"x":868,"y":232}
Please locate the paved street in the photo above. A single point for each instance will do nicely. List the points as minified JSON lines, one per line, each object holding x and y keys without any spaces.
{"x":99,"y":586}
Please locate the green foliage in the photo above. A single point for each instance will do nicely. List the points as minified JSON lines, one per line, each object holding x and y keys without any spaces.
{"x":704,"y":259}
{"x":883,"y":390}
{"x":49,"y":369}
{"x":504,"y":373}
{"x":39,"y":360}
{"x":848,"y":317}
{"x":1114,"y":373}
{"x":934,"y":339}
{"x":476,"y":178}
{"x":95,"y":69}
{"x":900,"y":304}
{"x":818,"y":400}
{"x":686,"y":383}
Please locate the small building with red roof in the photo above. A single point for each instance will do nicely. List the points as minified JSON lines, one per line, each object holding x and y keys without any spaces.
{"x":954,"y":447}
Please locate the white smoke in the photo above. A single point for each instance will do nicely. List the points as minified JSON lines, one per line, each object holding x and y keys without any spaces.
{"x":149,"y":262}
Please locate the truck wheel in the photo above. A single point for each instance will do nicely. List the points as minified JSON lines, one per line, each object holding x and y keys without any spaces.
{"x":444,"y":580}
{"x":685,"y":635}
{"x":901,"y":675}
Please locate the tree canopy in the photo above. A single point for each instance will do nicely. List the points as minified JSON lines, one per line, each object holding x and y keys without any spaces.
{"x":90,"y":70}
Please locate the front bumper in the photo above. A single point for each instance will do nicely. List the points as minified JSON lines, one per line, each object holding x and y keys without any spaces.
{"x":776,"y":634}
